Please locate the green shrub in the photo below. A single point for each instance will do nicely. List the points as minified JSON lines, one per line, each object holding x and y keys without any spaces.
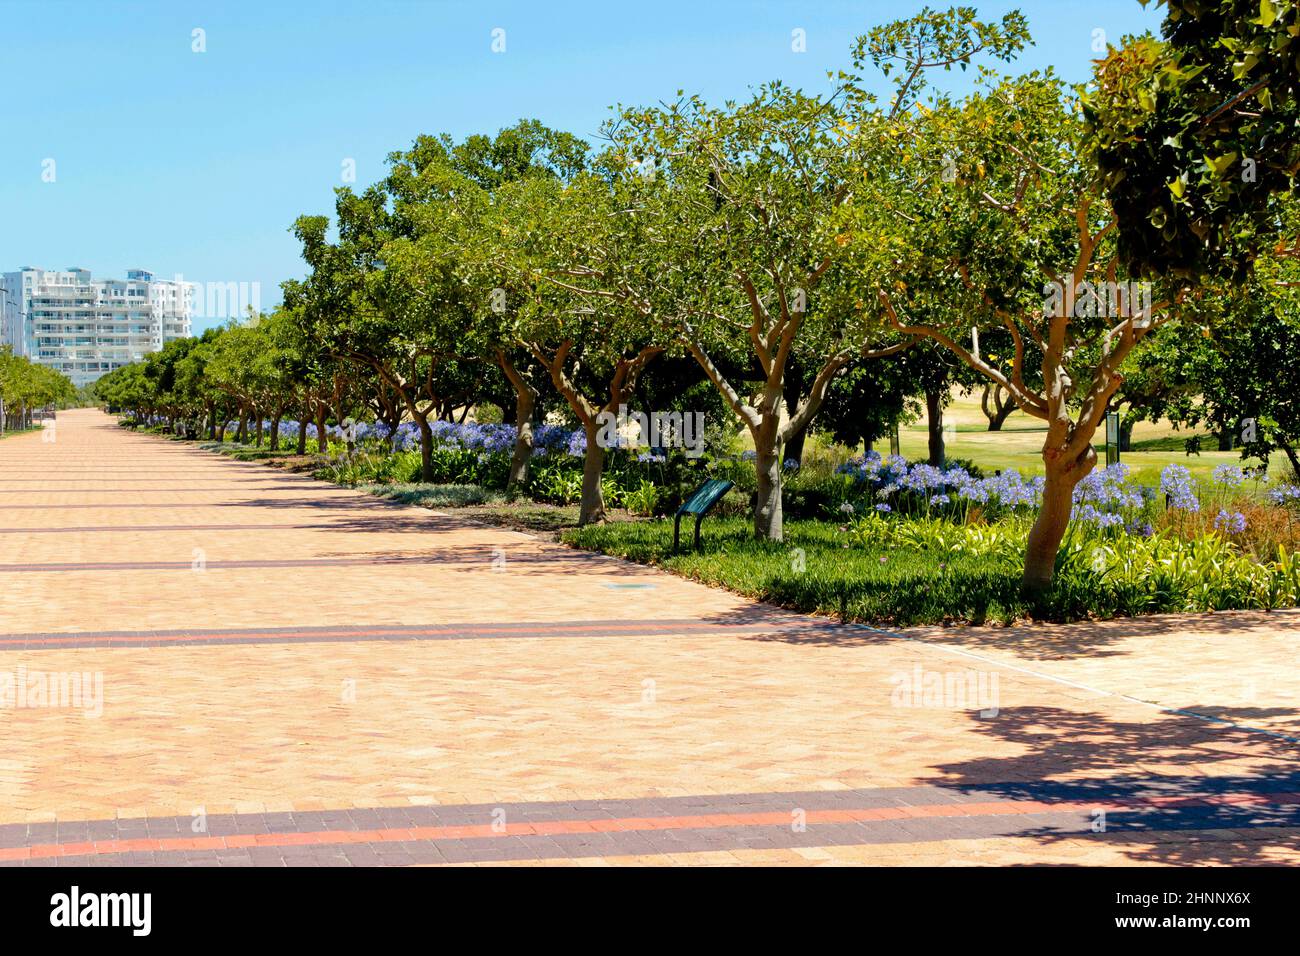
{"x":643,"y":499}
{"x":1167,"y":573}
{"x":1002,"y":543}
{"x":555,"y":481}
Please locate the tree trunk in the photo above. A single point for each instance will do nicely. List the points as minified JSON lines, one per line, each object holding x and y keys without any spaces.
{"x":523,"y":453}
{"x":934,"y":423}
{"x":793,"y":385}
{"x":769,"y":522}
{"x":1225,"y":439}
{"x":212,"y":421}
{"x":1046,"y":534}
{"x":996,"y":408}
{"x":525,"y":402}
{"x":322,"y":437}
{"x":426,"y":447}
{"x":768,"y":515}
{"x":592,"y":510}
{"x":302,"y":436}
{"x":275,"y":433}
{"x":1290,"y":452}
{"x":1053,"y":518}
{"x":621,"y":385}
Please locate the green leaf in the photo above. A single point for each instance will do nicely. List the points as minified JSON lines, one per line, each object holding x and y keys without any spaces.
{"x":1220,"y":164}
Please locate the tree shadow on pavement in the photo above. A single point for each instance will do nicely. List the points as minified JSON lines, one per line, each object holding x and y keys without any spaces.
{"x":1042,"y":641}
{"x":1084,"y":756}
{"x":1046,"y":642}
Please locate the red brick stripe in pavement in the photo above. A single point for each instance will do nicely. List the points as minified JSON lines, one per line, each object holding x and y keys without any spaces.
{"x":511,"y":837}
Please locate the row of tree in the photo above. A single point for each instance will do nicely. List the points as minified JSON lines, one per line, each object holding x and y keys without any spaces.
{"x":27,"y":387}
{"x":803,"y":253}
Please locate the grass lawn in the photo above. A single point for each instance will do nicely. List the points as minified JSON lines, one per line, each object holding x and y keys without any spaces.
{"x":1020,"y":442}
{"x":811,"y":571}
{"x":8,"y":432}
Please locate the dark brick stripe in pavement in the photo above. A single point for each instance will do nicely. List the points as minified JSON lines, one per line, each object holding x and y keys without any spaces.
{"x":557,"y":847}
{"x":347,"y":503}
{"x":272,"y":485}
{"x":533,"y":846}
{"x":152,"y":504}
{"x":159,"y":527}
{"x":99,"y":474}
{"x":653,"y":826}
{"x":96,"y":477}
{"x":231,"y":565}
{"x":403,"y":632}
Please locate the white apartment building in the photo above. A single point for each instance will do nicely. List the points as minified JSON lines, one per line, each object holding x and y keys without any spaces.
{"x":9,"y":333}
{"x":85,"y":327}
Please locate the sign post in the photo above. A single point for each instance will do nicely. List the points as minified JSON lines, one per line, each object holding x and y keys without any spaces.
{"x":1112,"y":438}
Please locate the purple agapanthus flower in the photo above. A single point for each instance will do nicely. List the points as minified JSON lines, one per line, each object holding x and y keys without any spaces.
{"x":1179,"y":488}
{"x":1230,"y":476}
{"x":1230,"y":522}
{"x":1284,"y":494}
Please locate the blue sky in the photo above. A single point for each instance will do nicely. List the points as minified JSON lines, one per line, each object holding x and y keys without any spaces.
{"x":198,"y":163}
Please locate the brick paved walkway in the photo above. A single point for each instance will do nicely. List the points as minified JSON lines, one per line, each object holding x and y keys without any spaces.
{"x":211,"y":662}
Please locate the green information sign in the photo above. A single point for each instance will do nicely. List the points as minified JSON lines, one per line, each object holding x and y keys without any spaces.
{"x":1112,"y":438}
